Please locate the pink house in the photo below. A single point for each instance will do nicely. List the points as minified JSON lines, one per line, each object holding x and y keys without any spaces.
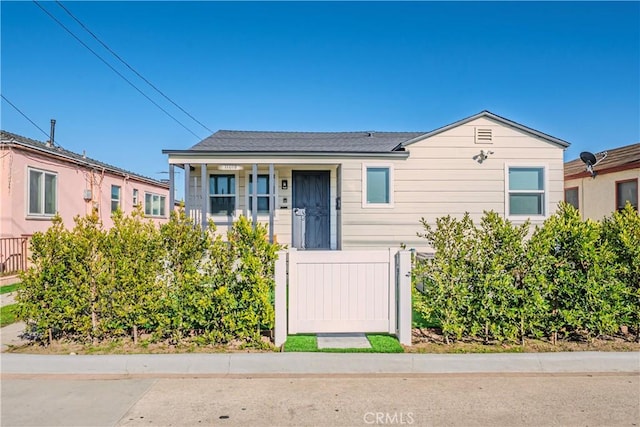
{"x":40,"y":179}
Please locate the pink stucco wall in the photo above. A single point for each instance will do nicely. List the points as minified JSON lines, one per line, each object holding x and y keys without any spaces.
{"x":72,"y":181}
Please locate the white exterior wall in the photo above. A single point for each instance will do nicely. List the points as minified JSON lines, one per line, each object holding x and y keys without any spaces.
{"x":440,"y":177}
{"x":597,"y":196}
{"x":283,"y":213}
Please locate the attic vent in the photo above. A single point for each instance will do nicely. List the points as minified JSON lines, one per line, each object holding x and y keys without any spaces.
{"x":484,"y":136}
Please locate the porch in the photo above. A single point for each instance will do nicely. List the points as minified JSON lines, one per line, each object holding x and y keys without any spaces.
{"x":299,"y":202}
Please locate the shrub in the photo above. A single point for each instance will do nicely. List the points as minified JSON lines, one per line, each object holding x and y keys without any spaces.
{"x":571,"y":278}
{"x":622,"y":232}
{"x":176,"y":281}
{"x":577,"y":273}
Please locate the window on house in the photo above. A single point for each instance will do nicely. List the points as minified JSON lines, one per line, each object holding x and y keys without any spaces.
{"x":42,"y":193}
{"x":154,"y":205}
{"x":627,"y":191}
{"x":115,"y":197}
{"x":136,"y":197}
{"x":263,"y":194}
{"x":571,"y":197}
{"x":378,"y":184}
{"x":222,"y":194}
{"x":526,"y":191}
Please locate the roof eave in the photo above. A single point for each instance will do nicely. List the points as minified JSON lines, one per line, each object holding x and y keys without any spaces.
{"x":288,"y":154}
{"x":86,"y":163}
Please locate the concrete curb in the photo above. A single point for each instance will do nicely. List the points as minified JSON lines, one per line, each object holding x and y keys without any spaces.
{"x":320,"y":363}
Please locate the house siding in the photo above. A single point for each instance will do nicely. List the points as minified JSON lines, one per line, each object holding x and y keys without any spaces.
{"x":597,"y":196}
{"x":440,"y":177}
{"x":72,"y":180}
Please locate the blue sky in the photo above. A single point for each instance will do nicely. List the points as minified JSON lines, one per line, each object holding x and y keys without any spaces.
{"x":569,"y":69}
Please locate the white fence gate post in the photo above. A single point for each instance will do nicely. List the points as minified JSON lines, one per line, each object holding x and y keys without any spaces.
{"x":281,"y":298}
{"x":403,"y":287}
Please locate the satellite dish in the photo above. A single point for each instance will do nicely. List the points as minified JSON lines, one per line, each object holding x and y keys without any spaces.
{"x":590,"y":160}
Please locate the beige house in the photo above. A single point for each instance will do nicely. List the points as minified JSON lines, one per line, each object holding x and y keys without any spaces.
{"x":615,"y":182}
{"x":349,"y":190}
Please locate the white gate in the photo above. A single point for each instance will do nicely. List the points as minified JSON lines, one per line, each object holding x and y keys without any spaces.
{"x":343,"y":291}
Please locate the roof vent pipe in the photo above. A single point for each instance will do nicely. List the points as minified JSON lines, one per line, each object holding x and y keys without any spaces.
{"x":52,"y":133}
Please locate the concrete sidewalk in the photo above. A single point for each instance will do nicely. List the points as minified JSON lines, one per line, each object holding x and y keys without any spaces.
{"x":320,"y":363}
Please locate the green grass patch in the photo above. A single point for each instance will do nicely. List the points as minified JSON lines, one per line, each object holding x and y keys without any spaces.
{"x":9,"y":288}
{"x":307,"y":343}
{"x":380,"y":343}
{"x":8,"y":315}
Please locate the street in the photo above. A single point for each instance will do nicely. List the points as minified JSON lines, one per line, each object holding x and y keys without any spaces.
{"x":317,"y":400}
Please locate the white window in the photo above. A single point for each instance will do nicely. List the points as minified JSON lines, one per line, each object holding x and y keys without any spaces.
{"x":222,"y":194}
{"x":136,"y":197}
{"x":264,"y":184}
{"x":116,"y":191}
{"x":377,"y":185}
{"x":154,"y":205}
{"x":526,"y":193}
{"x":43,"y":193}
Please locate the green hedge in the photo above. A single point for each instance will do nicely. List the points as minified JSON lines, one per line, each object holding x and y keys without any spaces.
{"x":174,"y":282}
{"x":569,"y":278}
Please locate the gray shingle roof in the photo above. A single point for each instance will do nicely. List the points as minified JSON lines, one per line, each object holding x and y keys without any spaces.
{"x":256,"y":141}
{"x":7,"y":138}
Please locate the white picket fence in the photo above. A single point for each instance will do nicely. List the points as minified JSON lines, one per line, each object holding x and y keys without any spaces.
{"x":343,"y":291}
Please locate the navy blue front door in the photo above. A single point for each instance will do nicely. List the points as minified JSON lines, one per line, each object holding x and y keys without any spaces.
{"x":311,"y":193}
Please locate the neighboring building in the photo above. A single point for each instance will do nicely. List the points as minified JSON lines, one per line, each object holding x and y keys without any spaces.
{"x":346,"y":190}
{"x":615,"y":183}
{"x":39,"y":180}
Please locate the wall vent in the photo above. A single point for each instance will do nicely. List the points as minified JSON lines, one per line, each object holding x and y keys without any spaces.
{"x":484,"y":136}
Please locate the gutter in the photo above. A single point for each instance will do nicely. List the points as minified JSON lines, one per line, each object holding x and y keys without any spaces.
{"x":288,"y":154}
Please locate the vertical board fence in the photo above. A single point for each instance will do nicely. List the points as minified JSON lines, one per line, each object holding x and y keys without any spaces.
{"x":343,"y":291}
{"x":13,"y":254}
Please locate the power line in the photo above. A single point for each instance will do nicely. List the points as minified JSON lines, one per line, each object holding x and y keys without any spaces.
{"x":129,"y":66}
{"x":24,"y":115}
{"x":114,"y":70}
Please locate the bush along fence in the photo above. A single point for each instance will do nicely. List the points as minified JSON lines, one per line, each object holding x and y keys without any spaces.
{"x":175,"y":282}
{"x":569,"y":279}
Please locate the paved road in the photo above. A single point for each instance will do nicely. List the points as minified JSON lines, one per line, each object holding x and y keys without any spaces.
{"x":443,"y":399}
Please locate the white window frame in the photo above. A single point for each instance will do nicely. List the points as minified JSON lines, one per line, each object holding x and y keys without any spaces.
{"x":41,"y":196}
{"x":544,"y":191}
{"x":135,"y":197}
{"x":162,"y":198}
{"x":119,"y":199}
{"x":217,"y":216}
{"x":365,"y":203}
{"x":248,"y":195}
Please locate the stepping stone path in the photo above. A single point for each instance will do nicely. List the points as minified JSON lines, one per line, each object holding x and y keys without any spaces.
{"x":343,"y":341}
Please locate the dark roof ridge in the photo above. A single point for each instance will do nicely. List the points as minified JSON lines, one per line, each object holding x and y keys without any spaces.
{"x":43,"y":146}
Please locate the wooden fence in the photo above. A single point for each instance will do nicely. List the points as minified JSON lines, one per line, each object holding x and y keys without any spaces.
{"x":13,"y":254}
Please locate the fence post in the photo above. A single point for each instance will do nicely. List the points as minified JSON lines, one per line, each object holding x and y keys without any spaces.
{"x":281,"y":299}
{"x":404,"y":297}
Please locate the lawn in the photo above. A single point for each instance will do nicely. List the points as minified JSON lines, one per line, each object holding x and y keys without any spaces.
{"x":380,"y":343}
{"x":8,"y":314}
{"x":9,"y":288}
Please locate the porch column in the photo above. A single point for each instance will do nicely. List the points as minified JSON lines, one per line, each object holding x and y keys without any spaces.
{"x":339,"y":207}
{"x":205,"y":190}
{"x":172,"y":188}
{"x":254,"y":196}
{"x":187,"y":178}
{"x":272,"y":199}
